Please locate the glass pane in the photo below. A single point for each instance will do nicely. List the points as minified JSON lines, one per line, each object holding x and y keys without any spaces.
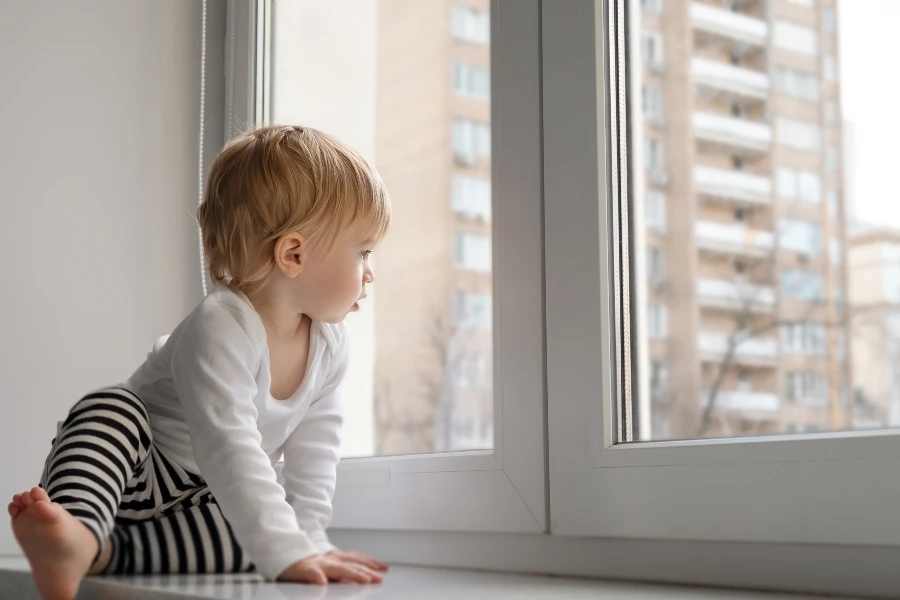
{"x":407,"y":82}
{"x":766,"y":239}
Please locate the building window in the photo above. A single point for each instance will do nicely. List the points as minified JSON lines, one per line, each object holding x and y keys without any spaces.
{"x":834,"y":158}
{"x":652,"y":49}
{"x":828,"y":20}
{"x":798,"y":84}
{"x":798,"y":134}
{"x":831,"y":111}
{"x":829,"y":65}
{"x":472,"y":252}
{"x":656,"y":265}
{"x":652,"y":103}
{"x":471,"y":140}
{"x":837,"y":252}
{"x":834,"y":208}
{"x":655,"y":6}
{"x":656,"y":211}
{"x":472,"y":197}
{"x":659,"y":382}
{"x":803,"y":186}
{"x":653,"y":154}
{"x":808,"y":3}
{"x":807,"y":388}
{"x":800,"y":236}
{"x":472,"y":309}
{"x":470,"y":80}
{"x":657,"y":321}
{"x":802,"y":286}
{"x":471,"y":25}
{"x":795,"y":38}
{"x":805,"y":338}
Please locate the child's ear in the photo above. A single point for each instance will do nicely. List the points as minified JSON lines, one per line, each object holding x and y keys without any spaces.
{"x":290,"y":254}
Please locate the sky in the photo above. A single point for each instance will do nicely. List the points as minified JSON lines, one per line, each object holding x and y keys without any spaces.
{"x":870,"y":97}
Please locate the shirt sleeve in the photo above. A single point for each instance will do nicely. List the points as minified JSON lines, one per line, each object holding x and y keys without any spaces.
{"x":213,"y":368}
{"x":312,"y":453}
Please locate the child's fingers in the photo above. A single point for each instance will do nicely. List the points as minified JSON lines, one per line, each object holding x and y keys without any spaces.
{"x":367,"y":561}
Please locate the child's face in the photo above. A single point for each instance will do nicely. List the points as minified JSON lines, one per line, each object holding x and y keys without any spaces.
{"x":334,"y":280}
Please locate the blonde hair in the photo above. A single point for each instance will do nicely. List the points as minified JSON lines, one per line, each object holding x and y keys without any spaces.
{"x":276,"y":180}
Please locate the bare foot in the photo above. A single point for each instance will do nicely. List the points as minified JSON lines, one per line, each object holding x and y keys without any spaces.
{"x":58,"y":546}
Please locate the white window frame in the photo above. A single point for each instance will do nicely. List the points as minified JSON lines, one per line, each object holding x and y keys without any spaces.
{"x":504,"y":488}
{"x":453,"y":510}
{"x":678,"y":490}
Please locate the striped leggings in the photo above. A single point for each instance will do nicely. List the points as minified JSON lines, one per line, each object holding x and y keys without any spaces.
{"x":106,"y":471}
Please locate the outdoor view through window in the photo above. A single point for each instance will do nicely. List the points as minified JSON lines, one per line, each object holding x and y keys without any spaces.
{"x":407,"y":82}
{"x":767,"y":218}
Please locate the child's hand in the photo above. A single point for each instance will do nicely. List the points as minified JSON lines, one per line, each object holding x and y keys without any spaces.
{"x":319,"y":570}
{"x":358,"y":558}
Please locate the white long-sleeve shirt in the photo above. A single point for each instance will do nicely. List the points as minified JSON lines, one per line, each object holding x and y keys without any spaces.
{"x":207,"y":389}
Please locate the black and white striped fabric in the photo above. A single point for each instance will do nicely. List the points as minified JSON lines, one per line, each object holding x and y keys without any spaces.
{"x":106,"y":471}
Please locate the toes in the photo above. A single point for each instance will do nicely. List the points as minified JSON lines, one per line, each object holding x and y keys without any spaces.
{"x":40,"y":494}
{"x":13,"y":509}
{"x":17,"y":500}
{"x":26,"y":498}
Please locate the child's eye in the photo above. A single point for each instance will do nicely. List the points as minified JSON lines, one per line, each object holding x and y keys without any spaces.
{"x":365,"y":254}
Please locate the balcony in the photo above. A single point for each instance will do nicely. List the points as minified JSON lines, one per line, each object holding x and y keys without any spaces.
{"x":743,"y":401}
{"x":723,"y":24}
{"x":733,"y":295}
{"x":737,"y":81}
{"x":736,"y":240}
{"x":732,"y":132}
{"x":733,"y":186}
{"x":714,"y":347}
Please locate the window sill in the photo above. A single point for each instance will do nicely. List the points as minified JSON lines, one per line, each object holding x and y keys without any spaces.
{"x":857,"y":571}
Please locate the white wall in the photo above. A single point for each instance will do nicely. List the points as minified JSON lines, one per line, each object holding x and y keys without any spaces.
{"x":97,"y":187}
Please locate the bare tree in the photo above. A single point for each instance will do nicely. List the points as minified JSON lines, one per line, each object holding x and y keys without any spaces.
{"x":751,"y":323}
{"x":422,"y":414}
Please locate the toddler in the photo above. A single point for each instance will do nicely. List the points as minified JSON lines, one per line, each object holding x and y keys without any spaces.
{"x":219,"y":453}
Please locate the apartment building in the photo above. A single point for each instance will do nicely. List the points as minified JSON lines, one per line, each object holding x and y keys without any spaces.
{"x":433,"y":366}
{"x":874,"y":270}
{"x":742,"y":136}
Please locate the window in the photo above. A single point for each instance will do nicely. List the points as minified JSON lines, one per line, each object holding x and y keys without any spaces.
{"x":652,"y":103}
{"x":828,"y":20}
{"x":829,"y":66}
{"x":804,"y":186}
{"x":656,"y":211}
{"x":472,"y":197}
{"x":471,"y":140}
{"x":834,"y":160}
{"x":807,"y":3}
{"x":659,"y":382}
{"x":656,"y":265}
{"x":837,"y":252}
{"x":831,"y":111}
{"x":796,"y":38}
{"x":472,"y":81}
{"x":798,"y":134}
{"x":797,"y":84}
{"x":657,"y":321}
{"x":472,"y":309}
{"x":653,"y":154}
{"x":834,"y":209}
{"x":655,"y":6}
{"x":564,"y":163}
{"x":652,"y":49}
{"x":472,"y":252}
{"x":800,"y":236}
{"x":805,"y":338}
{"x":471,"y":25}
{"x":807,"y":388}
{"x":802,"y":286}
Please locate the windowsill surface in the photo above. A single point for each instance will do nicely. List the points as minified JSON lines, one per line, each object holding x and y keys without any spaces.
{"x":402,"y":583}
